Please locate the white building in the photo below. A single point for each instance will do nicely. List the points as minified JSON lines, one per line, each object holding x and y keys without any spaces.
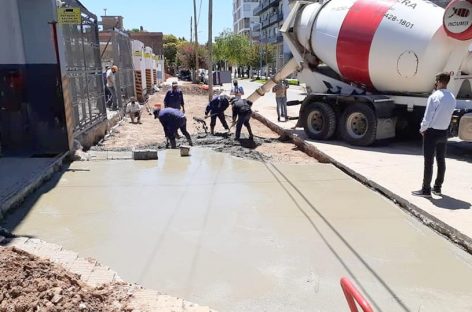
{"x":271,"y":14}
{"x":243,"y":16}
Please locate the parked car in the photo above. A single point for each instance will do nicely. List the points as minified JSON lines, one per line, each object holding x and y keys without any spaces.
{"x":184,"y":75}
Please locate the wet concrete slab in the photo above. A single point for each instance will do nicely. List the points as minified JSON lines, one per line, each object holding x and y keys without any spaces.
{"x":20,"y":174}
{"x":396,"y":169}
{"x":242,"y":235}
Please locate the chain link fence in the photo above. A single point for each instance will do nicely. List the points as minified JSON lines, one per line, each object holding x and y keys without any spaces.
{"x":84,"y":70}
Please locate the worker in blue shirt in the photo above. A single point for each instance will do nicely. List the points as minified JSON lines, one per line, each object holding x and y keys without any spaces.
{"x":216,"y":109}
{"x":174,"y":98}
{"x":171,"y":120}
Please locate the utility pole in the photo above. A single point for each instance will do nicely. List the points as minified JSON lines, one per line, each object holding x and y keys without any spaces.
{"x":191,"y":29}
{"x":210,"y":49}
{"x":196,"y":39}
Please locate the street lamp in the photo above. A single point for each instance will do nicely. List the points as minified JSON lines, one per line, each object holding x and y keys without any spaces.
{"x":260,"y":48}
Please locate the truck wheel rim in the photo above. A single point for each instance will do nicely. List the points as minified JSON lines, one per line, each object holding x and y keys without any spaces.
{"x":315,"y":121}
{"x":357,"y":125}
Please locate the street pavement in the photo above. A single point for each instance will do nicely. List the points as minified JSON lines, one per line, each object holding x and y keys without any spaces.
{"x":242,"y":235}
{"x":20,"y":175}
{"x":396,"y":167}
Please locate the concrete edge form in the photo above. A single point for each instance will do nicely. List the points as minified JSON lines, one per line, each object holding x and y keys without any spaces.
{"x":308,"y":149}
{"x":94,"y":274}
{"x":17,"y":198}
{"x":434,"y":223}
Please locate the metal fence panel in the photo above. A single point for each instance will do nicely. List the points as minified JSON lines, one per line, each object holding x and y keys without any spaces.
{"x":122,"y":57}
{"x":84,"y":70}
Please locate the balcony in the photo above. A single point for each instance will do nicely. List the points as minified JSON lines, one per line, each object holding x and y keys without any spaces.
{"x":276,"y":18}
{"x":264,"y":5}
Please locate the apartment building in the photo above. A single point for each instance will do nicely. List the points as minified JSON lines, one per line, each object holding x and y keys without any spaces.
{"x":243,"y":16}
{"x":271,"y":14}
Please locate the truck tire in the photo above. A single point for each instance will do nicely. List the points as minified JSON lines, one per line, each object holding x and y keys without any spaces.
{"x":358,"y":125}
{"x":319,"y":121}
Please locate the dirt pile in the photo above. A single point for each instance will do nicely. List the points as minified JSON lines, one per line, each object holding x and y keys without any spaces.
{"x":28,"y":283}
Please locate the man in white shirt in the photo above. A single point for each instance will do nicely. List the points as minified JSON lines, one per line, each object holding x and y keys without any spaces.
{"x":111,"y":84}
{"x":434,"y":129}
{"x":134,"y":110}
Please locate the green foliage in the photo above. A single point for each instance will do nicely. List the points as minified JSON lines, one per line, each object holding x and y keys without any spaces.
{"x":293,"y":82}
{"x":238,"y":50}
{"x":171,"y":46}
{"x":232,"y":48}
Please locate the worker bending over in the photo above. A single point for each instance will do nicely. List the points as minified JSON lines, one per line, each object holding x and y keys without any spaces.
{"x":216,"y":108}
{"x":242,"y":111}
{"x":171,"y":120}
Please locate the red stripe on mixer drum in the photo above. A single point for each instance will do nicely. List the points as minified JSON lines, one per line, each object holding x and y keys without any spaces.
{"x":355,"y":38}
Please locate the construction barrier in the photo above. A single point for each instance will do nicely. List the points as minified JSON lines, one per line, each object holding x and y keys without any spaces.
{"x":353,"y":296}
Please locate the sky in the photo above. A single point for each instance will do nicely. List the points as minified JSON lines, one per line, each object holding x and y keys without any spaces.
{"x":167,"y":16}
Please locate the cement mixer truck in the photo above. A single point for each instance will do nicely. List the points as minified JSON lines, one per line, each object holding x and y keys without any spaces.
{"x":369,"y":65}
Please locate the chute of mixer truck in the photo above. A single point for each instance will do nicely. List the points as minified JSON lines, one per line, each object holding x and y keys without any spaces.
{"x":369,"y":66}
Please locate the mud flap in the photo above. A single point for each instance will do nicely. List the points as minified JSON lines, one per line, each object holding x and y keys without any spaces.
{"x":465,"y":127}
{"x":386,"y":128}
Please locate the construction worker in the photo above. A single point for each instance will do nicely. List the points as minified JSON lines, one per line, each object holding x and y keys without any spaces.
{"x":171,"y":120}
{"x":242,"y":111}
{"x":216,"y":108}
{"x":111,"y":85}
{"x":280,"y":90}
{"x":134,"y":110}
{"x":237,"y":90}
{"x":174,"y":98}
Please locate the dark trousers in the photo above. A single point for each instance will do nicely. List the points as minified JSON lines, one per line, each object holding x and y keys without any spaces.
{"x":221,"y":117}
{"x":243,"y":119}
{"x":171,"y":132}
{"x":434,"y":143}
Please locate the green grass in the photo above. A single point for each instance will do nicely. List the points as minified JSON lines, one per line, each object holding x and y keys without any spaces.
{"x":293,"y":82}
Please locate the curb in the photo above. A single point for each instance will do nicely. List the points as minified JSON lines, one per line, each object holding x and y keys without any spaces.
{"x":308,"y":149}
{"x":17,"y":198}
{"x":94,"y":274}
{"x":434,"y":223}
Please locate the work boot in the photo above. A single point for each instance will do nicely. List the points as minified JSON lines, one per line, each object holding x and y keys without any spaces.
{"x":173,"y":144}
{"x":422,"y":193}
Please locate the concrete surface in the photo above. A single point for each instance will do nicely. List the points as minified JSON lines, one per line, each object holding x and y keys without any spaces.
{"x":396,"y":169}
{"x":242,"y":235}
{"x":19,"y":176}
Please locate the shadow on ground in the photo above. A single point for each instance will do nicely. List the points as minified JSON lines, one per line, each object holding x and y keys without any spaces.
{"x":450,"y":203}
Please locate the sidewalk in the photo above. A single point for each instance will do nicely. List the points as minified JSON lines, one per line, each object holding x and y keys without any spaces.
{"x":21,"y":176}
{"x":397,"y":169}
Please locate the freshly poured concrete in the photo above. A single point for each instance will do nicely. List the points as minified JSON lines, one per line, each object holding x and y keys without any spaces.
{"x":241,"y":235}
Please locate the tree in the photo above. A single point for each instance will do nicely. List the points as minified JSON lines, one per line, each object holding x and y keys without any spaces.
{"x":186,"y":55}
{"x":232,"y":48}
{"x":171,"y":45}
